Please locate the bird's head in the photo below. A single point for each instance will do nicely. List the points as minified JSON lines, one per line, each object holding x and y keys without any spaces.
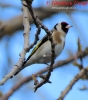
{"x":62,"y":27}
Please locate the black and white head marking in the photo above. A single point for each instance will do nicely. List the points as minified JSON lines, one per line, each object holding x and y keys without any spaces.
{"x":63,"y":26}
{"x":55,"y":27}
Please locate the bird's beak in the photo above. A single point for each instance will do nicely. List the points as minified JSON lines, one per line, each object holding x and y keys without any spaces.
{"x":68,"y":26}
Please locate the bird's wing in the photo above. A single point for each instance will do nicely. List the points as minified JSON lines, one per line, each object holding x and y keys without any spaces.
{"x":44,"y":39}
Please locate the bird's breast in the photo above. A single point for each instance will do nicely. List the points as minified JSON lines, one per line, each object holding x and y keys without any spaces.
{"x":57,"y":37}
{"x":59,"y":48}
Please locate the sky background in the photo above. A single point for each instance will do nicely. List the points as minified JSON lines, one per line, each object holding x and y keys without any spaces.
{"x":11,"y":46}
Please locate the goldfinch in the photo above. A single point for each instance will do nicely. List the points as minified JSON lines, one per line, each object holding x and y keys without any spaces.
{"x":42,"y":52}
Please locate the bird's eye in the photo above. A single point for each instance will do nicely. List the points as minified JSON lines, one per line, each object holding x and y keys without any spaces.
{"x":55,"y":27}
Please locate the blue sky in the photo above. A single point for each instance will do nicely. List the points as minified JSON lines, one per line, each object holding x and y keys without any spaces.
{"x":61,"y":76}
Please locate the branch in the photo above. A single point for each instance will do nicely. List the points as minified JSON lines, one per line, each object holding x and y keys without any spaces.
{"x":36,"y":35}
{"x":56,"y":65}
{"x":75,"y":79}
{"x":15,"y":24}
{"x":25,"y":48}
{"x":37,"y":22}
{"x":6,"y":5}
{"x":50,"y":68}
{"x":18,"y":66}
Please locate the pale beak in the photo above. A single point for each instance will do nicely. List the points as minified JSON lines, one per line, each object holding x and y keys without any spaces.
{"x":68,"y":26}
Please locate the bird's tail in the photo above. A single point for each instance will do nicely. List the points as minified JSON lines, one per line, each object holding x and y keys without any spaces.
{"x":20,"y":69}
{"x":25,"y":64}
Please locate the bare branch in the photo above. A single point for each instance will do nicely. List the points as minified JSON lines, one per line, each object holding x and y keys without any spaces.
{"x":75,"y":79}
{"x":6,"y":5}
{"x":25,"y":48}
{"x":37,"y":22}
{"x":56,"y":65}
{"x":36,"y":35}
{"x":18,"y":67}
{"x":50,"y":68}
{"x":11,"y":26}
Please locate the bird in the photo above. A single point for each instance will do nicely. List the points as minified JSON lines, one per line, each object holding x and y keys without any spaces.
{"x":41,"y":54}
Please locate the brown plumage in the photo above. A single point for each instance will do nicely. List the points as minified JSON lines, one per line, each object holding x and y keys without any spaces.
{"x":57,"y":37}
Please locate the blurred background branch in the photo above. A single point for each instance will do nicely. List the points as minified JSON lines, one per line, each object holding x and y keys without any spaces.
{"x":15,"y":24}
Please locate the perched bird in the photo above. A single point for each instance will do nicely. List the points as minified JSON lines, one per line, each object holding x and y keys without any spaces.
{"x":42,"y":52}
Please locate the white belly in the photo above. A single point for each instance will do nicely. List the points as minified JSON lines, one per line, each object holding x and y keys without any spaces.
{"x":46,"y":51}
{"x":38,"y":57}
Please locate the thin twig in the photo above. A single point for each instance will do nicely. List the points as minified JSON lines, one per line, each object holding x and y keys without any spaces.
{"x":31,"y":46}
{"x":50,"y":68}
{"x":74,"y":80}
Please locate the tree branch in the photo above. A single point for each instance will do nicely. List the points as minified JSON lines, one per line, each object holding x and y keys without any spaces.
{"x":25,"y":48}
{"x":38,"y":23}
{"x":56,"y":65}
{"x":11,"y":26}
{"x":74,"y":80}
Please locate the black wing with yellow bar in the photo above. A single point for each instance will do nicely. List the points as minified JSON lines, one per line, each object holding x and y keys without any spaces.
{"x":44,"y":39}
